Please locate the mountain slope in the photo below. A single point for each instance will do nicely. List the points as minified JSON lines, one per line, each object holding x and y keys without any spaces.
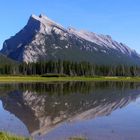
{"x":5,"y":60}
{"x":43,"y":39}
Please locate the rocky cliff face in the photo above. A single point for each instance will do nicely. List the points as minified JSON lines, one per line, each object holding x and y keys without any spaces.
{"x":43,"y":39}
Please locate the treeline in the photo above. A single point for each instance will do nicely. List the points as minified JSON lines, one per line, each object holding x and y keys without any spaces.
{"x":68,"y":68}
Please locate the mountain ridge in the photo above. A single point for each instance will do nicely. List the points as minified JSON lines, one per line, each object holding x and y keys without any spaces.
{"x":43,"y":39}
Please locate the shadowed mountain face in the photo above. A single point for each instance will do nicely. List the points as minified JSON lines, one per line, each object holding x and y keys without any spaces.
{"x":43,"y":39}
{"x":43,"y":109}
{"x":6,"y":60}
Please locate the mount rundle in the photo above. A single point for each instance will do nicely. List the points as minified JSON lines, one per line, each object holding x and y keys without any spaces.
{"x":42,"y":39}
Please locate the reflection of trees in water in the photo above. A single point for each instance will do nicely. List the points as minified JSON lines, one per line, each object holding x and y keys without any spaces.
{"x":74,"y":87}
{"x":68,"y":96}
{"x":64,"y":88}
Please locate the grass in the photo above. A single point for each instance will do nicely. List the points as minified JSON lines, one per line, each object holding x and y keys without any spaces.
{"x":51,"y":79}
{"x":6,"y":136}
{"x":76,"y":138}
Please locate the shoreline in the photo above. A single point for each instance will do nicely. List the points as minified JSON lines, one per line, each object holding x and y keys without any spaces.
{"x":65,"y":79}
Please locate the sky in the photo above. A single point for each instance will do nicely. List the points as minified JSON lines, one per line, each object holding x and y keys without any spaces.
{"x":118,"y":18}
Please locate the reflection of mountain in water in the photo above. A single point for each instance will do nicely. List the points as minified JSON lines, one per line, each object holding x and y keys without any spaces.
{"x":43,"y":106}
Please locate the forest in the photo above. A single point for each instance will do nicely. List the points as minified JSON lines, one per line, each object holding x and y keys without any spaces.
{"x":68,"y":68}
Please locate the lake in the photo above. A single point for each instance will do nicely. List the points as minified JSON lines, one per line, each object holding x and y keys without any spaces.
{"x":60,"y":110}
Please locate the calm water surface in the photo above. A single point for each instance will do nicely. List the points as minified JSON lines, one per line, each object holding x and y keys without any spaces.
{"x":60,"y":110}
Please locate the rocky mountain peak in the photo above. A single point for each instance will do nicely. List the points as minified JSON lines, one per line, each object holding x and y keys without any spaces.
{"x":40,"y":18}
{"x":42,"y":38}
{"x":44,"y":20}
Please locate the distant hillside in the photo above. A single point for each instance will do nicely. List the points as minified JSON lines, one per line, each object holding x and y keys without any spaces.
{"x":6,"y":60}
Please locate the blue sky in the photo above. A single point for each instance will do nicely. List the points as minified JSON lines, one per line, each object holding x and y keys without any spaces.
{"x":118,"y":18}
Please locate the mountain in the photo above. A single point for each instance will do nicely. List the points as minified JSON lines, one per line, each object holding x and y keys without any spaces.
{"x":6,"y":60}
{"x":43,"y":39}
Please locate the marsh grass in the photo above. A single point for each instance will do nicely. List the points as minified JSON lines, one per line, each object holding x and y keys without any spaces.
{"x":77,"y":138}
{"x":7,"y":136}
{"x":55,"y":79}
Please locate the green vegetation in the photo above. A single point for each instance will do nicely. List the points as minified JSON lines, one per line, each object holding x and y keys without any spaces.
{"x":62,"y":68}
{"x":6,"y":136}
{"x":54,"y":75}
{"x":66,"y":71}
{"x":55,"y":79}
{"x":76,"y":138}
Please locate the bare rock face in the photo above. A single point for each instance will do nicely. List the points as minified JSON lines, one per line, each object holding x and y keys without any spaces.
{"x":43,"y":39}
